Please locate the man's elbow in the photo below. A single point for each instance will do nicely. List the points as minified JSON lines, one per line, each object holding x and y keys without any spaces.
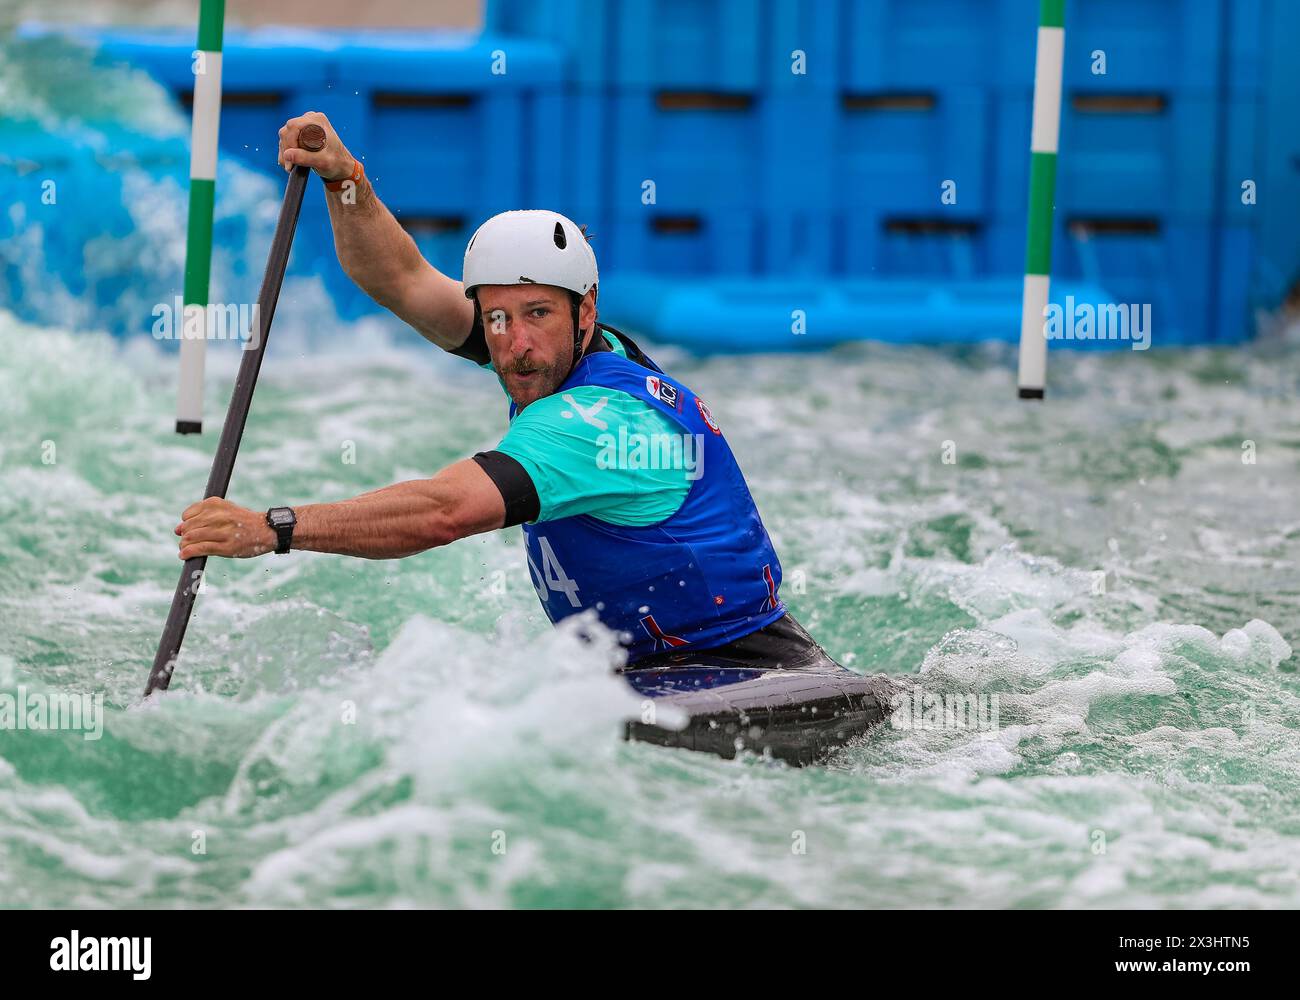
{"x":384,"y":293}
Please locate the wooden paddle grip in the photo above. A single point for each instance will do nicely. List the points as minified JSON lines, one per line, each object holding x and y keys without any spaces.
{"x":311,"y":138}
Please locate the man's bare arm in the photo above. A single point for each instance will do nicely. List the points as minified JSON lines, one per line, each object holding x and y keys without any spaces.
{"x":390,"y":523}
{"x":405,"y":518}
{"x":375,"y":251}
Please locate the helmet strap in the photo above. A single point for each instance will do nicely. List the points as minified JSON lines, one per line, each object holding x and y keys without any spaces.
{"x":576,"y":301}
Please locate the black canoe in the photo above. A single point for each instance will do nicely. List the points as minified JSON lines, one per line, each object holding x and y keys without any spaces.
{"x":797,"y":716}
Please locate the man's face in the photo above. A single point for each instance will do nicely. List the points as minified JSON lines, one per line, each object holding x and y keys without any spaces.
{"x":529,"y":330}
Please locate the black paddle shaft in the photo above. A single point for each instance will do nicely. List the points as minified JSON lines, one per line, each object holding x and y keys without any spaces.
{"x":312,"y":139}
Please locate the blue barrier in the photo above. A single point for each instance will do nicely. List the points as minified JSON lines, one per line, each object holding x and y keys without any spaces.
{"x":644,"y":44}
{"x":1162,"y":162}
{"x":1173,"y":268}
{"x":422,"y":109}
{"x":1273,"y":218}
{"x":570,"y":166}
{"x":708,"y":243}
{"x":1238,"y":288}
{"x":1194,"y":278}
{"x":447,"y":123}
{"x":893,"y":159}
{"x":902,"y":46}
{"x":803,"y":47}
{"x":743,"y":316}
{"x":1150,"y":46}
{"x":697,"y":153}
{"x":685,"y":44}
{"x":563,"y":23}
{"x":799,"y":138}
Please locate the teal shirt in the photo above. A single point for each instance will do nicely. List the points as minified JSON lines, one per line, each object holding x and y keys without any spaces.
{"x":568,"y":443}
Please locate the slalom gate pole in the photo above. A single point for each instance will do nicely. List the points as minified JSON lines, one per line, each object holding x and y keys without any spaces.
{"x":1032,"y":377}
{"x":198,"y":238}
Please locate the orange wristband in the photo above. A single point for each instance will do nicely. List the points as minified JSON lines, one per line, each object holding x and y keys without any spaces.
{"x":358,"y":171}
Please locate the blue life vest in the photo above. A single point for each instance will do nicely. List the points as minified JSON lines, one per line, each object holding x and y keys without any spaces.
{"x":704,"y":577}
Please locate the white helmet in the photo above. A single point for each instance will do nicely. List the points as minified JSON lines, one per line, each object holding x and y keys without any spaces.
{"x":530,"y":247}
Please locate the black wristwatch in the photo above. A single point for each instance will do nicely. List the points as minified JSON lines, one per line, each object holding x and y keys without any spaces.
{"x":282,"y":521}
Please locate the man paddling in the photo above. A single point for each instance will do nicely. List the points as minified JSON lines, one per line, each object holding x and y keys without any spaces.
{"x":671,"y":555}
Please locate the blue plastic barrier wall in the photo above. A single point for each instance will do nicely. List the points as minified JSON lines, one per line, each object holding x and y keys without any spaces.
{"x":441,"y":119}
{"x":818,"y":142}
{"x":778,"y":145}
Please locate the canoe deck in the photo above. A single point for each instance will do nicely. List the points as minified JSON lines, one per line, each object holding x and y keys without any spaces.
{"x":791,"y":715}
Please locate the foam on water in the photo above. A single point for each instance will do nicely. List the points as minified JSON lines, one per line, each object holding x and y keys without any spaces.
{"x":413,"y":733}
{"x":1139,"y":758}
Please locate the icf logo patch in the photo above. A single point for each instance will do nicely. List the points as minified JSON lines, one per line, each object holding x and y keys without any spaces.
{"x":661,"y":390}
{"x":708,"y":417}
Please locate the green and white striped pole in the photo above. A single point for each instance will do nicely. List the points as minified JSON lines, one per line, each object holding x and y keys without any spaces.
{"x":203,"y":185}
{"x":1042,"y":197}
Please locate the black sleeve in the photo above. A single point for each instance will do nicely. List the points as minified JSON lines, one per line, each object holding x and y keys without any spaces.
{"x":475,"y":347}
{"x":517,"y":489}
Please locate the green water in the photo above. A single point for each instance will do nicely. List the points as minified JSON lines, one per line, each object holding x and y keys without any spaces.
{"x":345,"y":733}
{"x":1147,"y":751}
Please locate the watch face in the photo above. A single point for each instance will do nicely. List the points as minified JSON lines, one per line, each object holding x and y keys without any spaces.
{"x":281,"y":517}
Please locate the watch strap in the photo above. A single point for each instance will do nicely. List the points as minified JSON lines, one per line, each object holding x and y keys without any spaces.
{"x":283,"y":532}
